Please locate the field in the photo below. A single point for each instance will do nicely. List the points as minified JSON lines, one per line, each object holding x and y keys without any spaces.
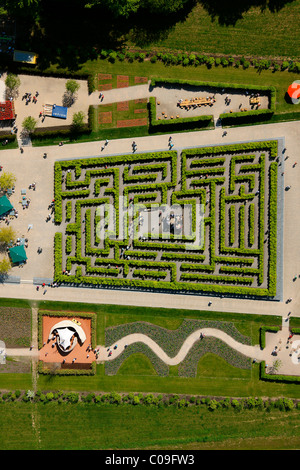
{"x":225,"y":29}
{"x":96,"y":427}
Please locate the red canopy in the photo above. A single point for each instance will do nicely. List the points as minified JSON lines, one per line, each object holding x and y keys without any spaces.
{"x":294,"y":90}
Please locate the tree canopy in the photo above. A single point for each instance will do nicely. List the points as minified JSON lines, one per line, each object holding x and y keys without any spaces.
{"x":7,"y":181}
{"x":117,"y":7}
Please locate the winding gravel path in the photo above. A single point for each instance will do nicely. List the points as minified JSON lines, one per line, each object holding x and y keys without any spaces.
{"x":251,"y":351}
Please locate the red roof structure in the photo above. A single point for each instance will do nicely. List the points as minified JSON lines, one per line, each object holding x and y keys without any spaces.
{"x":7,"y":111}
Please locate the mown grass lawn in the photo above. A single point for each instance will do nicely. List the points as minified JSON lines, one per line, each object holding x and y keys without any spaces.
{"x":256,"y":33}
{"x":98,"y":427}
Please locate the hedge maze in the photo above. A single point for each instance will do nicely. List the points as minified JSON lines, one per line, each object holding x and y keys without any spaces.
{"x":202,"y":221}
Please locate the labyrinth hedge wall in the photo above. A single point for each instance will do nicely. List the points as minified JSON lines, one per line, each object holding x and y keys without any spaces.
{"x":228,"y":248}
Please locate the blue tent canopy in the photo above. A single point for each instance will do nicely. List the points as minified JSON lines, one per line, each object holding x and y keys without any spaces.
{"x":59,"y":111}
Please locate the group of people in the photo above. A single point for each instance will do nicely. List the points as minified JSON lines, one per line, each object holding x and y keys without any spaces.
{"x":227,"y":100}
{"x":28,"y":97}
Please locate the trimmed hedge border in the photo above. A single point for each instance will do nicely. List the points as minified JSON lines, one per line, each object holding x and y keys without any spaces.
{"x":197,"y":122}
{"x":226,"y":118}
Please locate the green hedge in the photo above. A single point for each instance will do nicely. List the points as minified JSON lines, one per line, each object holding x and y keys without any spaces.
{"x":239,"y":279}
{"x":156,"y":125}
{"x":226,"y":118}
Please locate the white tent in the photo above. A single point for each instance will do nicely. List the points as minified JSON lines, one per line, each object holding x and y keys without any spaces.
{"x":66,"y":329}
{"x":65,"y":335}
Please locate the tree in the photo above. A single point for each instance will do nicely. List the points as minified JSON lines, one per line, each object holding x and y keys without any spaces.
{"x":29,"y":124}
{"x":126,"y":8}
{"x":7,"y":181}
{"x":12,"y":82}
{"x":72,"y":86}
{"x":7,"y":234}
{"x":5,"y":266}
{"x":78,"y":121}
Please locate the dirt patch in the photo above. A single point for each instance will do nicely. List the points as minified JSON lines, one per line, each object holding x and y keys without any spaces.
{"x":122,"y":106}
{"x":122,"y":81}
{"x":140,"y":79}
{"x":104,"y":76}
{"x":105,"y":117}
{"x":137,"y":111}
{"x":104,"y":86}
{"x":132,"y":122}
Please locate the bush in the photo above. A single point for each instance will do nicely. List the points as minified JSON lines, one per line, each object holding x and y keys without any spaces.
{"x":213,"y":405}
{"x":224,"y":62}
{"x":112,"y":56}
{"x":136,"y":400}
{"x":129,"y":56}
{"x":210,"y":62}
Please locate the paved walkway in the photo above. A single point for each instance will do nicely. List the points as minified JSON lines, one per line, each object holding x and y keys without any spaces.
{"x":167,"y":98}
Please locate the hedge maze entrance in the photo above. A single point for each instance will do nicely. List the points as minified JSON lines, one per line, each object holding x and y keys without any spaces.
{"x":201,"y":221}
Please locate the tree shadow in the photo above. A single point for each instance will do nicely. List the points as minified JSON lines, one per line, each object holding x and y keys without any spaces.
{"x":67,"y":34}
{"x":228,"y":13}
{"x":146,"y":28}
{"x":70,"y":41}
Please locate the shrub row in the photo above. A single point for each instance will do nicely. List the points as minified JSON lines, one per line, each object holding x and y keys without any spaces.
{"x":196,"y":59}
{"x":151,"y":399}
